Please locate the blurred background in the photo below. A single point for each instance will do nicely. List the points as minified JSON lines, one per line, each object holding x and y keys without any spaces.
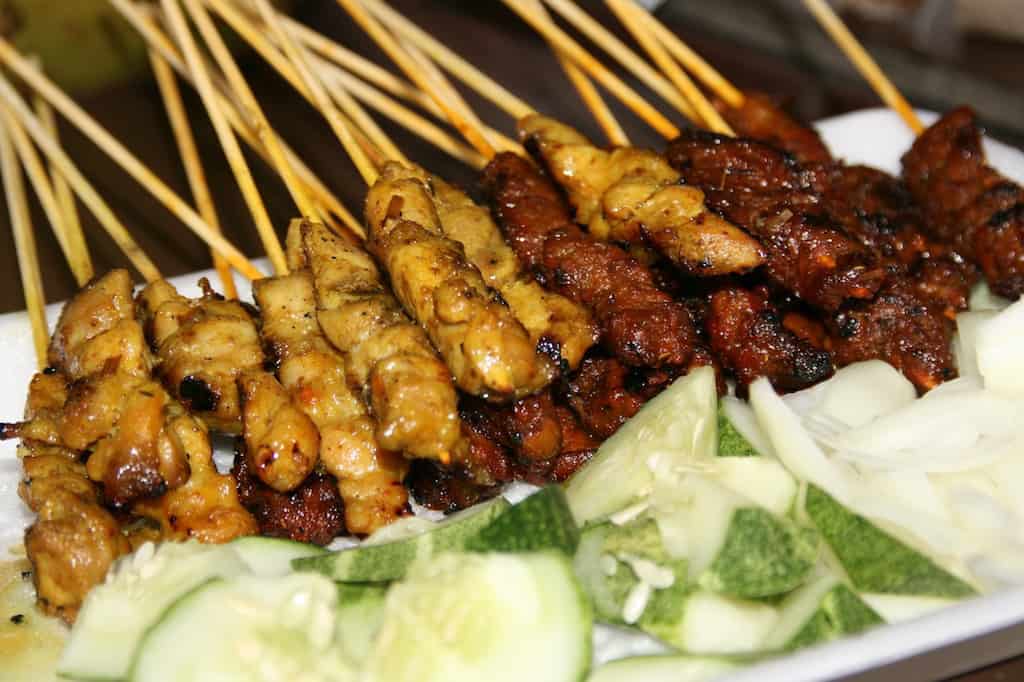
{"x":940,"y":53}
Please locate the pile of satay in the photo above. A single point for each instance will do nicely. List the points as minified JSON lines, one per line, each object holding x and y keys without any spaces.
{"x":442,"y":347}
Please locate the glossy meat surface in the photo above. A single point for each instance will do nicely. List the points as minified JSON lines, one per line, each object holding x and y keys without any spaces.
{"x":760,"y":118}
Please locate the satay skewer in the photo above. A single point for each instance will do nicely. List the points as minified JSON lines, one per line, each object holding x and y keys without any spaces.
{"x":178,"y":117}
{"x":24,"y":241}
{"x":864,"y":62}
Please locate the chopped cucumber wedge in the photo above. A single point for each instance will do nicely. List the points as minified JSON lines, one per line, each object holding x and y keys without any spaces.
{"x":391,"y":560}
{"x":542,"y":521}
{"x":248,"y":628}
{"x":360,"y":616}
{"x":732,"y":443}
{"x":670,"y":668}
{"x":491,"y":617}
{"x":897,"y":608}
{"x":760,"y":479}
{"x":272,"y":557}
{"x":702,"y":622}
{"x":820,"y":611}
{"x":669,"y":431}
{"x":138,"y":590}
{"x":874,"y":560}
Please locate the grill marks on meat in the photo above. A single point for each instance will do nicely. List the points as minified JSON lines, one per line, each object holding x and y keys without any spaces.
{"x":746,"y":332}
{"x":640,"y":324}
{"x":604,"y":393}
{"x":389,"y":359}
{"x":487,"y":349}
{"x":967,"y":204}
{"x":779,"y":201}
{"x":633,"y":196}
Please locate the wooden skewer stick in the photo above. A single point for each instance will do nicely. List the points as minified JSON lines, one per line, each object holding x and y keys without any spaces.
{"x":82,"y":270}
{"x":563,"y":42}
{"x":89,"y":196}
{"x":695,"y":64}
{"x":80,"y":261}
{"x":153,"y":34}
{"x":623,"y":54}
{"x":469,"y":127}
{"x":24,"y":243}
{"x":131,"y":164}
{"x":867,"y":66}
{"x":178,"y":118}
{"x":450,"y":61}
{"x":588,"y":93}
{"x":636,"y":21}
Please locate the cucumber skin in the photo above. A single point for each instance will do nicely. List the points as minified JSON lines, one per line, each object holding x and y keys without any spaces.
{"x":876,"y":561}
{"x":841,"y":613}
{"x":731,"y":442}
{"x":543,"y":521}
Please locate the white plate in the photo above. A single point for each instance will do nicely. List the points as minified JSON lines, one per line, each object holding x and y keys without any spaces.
{"x":971,"y":634}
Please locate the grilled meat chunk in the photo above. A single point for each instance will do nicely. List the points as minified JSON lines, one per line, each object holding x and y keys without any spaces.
{"x":639,"y":323}
{"x":967,"y":204}
{"x":759,"y":118}
{"x":604,"y":393}
{"x":633,"y":196}
{"x":487,"y":349}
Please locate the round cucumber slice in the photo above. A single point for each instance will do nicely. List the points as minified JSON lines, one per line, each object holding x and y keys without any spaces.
{"x":272,"y":557}
{"x":492,"y":617}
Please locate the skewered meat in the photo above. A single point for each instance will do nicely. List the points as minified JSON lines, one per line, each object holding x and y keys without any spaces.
{"x":759,"y":118}
{"x":389,"y":358}
{"x":604,"y":393}
{"x":202,"y":346}
{"x":746,"y":333}
{"x":776,"y":199}
{"x":640,"y":324}
{"x":577,"y":447}
{"x":967,"y":204}
{"x":488,"y":351}
{"x":633,"y":196}
{"x":559,"y":328}
{"x":314,"y":373}
{"x":312,"y":512}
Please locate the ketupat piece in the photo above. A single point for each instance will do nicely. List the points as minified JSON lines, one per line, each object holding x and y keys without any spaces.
{"x":874,"y":560}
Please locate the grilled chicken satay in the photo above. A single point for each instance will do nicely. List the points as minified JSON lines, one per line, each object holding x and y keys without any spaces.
{"x":389,"y":358}
{"x":314,"y":374}
{"x":486,"y":348}
{"x":202,"y":346}
{"x":639,"y":324}
{"x":633,"y":196}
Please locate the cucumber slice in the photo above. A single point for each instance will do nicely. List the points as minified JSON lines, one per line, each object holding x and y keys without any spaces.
{"x":897,"y":608}
{"x":874,"y":560}
{"x":542,"y":521}
{"x":360,"y":616}
{"x":272,"y":557}
{"x":669,"y":431}
{"x":138,"y":590}
{"x":732,"y":443}
{"x":248,"y":628}
{"x":491,"y":617}
{"x":701,"y":622}
{"x":820,"y":611}
{"x":662,"y":669}
{"x":762,"y":480}
{"x":390,"y":560}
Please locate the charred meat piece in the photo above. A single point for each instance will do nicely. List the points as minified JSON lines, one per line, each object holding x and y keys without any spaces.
{"x":760,"y":118}
{"x":445,"y":489}
{"x":633,"y":196}
{"x":604,"y":393}
{"x":967,"y":204}
{"x":779,"y":201}
{"x":639,"y":323}
{"x":312,"y":512}
{"x":577,"y":447}
{"x":746,"y":332}
{"x":487,"y":349}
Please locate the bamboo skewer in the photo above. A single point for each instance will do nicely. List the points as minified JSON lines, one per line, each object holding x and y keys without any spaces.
{"x":24,"y":243}
{"x":622,"y":54}
{"x":637,"y":22}
{"x":153,"y":34}
{"x":135,"y":255}
{"x":71,"y":225}
{"x":119,"y":153}
{"x":470,"y":127}
{"x":190,"y":159}
{"x":864,"y":63}
{"x":596,"y":70}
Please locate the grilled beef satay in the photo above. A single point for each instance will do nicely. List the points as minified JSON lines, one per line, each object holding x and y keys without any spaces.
{"x":558,"y":327}
{"x":967,"y":204}
{"x":759,"y":118}
{"x":633,"y":196}
{"x":639,"y":323}
{"x":486,"y":348}
{"x":389,"y":358}
{"x":315,"y":376}
{"x":202,"y":346}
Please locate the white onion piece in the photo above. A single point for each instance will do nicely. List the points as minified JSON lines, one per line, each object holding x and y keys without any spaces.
{"x":1000,"y":567}
{"x":745,"y":422}
{"x":1000,"y":353}
{"x":912,"y":489}
{"x":982,"y":298}
{"x":965,"y":343}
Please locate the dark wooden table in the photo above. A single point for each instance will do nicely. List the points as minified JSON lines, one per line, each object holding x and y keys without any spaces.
{"x":769,"y":50}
